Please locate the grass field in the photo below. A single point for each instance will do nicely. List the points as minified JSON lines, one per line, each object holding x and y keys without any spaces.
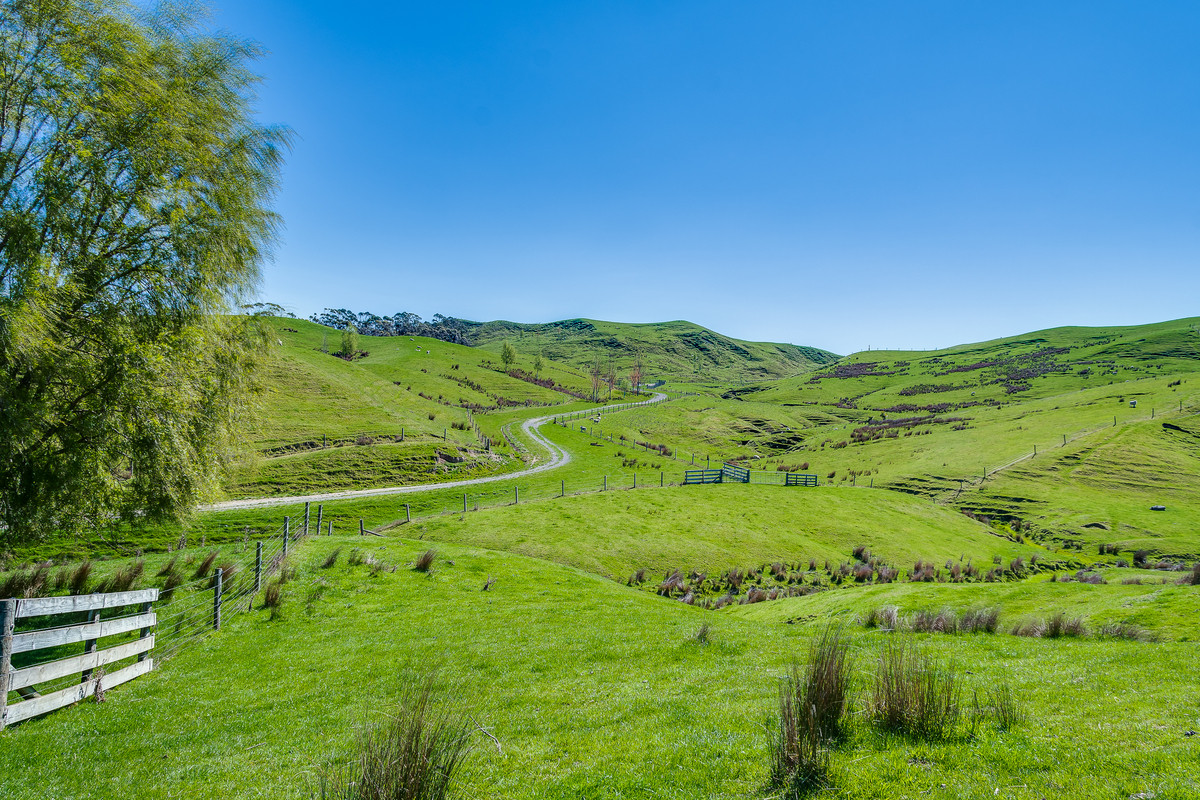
{"x":588,"y":684}
{"x":592,"y":689}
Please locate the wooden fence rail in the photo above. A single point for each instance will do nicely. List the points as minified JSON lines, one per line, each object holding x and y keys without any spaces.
{"x":87,"y":664}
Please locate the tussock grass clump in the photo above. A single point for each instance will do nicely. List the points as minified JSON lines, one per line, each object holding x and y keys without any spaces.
{"x":169,"y":587}
{"x":355,"y":558}
{"x":1127,"y":630}
{"x":1003,"y":705}
{"x":124,"y":579}
{"x":886,"y":618}
{"x":414,"y":755}
{"x":944,"y":621}
{"x":80,"y":578}
{"x":913,"y":694}
{"x":273,"y":598}
{"x":331,"y":559}
{"x":204,"y":568}
{"x":813,"y":703}
{"x":167,"y":569}
{"x":704,"y":634}
{"x":1193,"y":579}
{"x":425,"y":561}
{"x":983,"y":620}
{"x":1061,"y":626}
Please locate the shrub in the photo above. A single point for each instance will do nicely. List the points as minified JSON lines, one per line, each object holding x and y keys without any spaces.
{"x":704,"y":634}
{"x":1139,"y":558}
{"x":913,"y":694}
{"x":1194,"y":578}
{"x":425,"y":560}
{"x":414,"y":755}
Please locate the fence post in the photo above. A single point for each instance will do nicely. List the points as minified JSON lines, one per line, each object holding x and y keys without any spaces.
{"x":258,"y":563}
{"x":361,"y":532}
{"x":1064,"y":444}
{"x":8,"y":618}
{"x":407,"y":513}
{"x":306,"y":510}
{"x":562,"y":488}
{"x":660,"y":480}
{"x":635,"y":480}
{"x":144,"y":632}
{"x":605,"y":483}
{"x":218,"y":574}
{"x":89,"y":646}
{"x":285,"y":541}
{"x":331,"y":527}
{"x":402,"y":433}
{"x":464,"y":504}
{"x":287,"y":527}
{"x":516,"y":495}
{"x":320,"y":511}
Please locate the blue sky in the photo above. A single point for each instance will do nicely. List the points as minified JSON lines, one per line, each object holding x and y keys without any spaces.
{"x":845,"y":175}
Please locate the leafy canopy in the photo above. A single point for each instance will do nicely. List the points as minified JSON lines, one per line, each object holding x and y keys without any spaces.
{"x":134,"y":190}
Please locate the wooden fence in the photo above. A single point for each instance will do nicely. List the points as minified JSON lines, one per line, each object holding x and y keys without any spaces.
{"x":87,"y":664}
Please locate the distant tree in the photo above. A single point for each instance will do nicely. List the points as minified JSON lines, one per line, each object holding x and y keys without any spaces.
{"x":538,"y":365}
{"x":508,"y":355}
{"x":597,"y":380}
{"x":135,"y":184}
{"x":635,"y":373}
{"x":350,"y":341}
{"x":610,"y":378}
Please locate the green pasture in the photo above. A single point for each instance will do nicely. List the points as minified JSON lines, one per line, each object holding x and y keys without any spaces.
{"x":592,"y":689}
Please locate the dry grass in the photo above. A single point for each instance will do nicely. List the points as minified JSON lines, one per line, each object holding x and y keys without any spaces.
{"x":414,"y":755}
{"x":913,"y":694}
{"x":1061,"y":626}
{"x":982,"y":620}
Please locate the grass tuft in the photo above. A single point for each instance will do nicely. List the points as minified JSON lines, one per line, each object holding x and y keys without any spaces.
{"x":425,"y":560}
{"x":913,"y":694}
{"x":414,"y":755}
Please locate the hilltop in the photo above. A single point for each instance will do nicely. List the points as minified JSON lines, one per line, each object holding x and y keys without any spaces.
{"x":676,"y":350}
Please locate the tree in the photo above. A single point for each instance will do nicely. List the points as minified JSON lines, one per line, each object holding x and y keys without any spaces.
{"x":134,"y":215}
{"x":610,"y":378}
{"x":595,"y":374}
{"x":635,"y":373}
{"x":350,"y":342}
{"x":538,"y":366}
{"x":508,"y":355}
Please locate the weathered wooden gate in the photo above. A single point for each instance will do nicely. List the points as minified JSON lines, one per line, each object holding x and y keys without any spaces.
{"x":138,"y":617}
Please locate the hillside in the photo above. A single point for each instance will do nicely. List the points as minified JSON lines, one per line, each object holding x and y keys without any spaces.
{"x":402,"y":414}
{"x":669,"y":350}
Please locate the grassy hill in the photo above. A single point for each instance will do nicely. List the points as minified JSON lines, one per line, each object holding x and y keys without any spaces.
{"x":670,"y":350}
{"x":390,"y":417}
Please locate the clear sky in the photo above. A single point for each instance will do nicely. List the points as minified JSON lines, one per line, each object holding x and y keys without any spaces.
{"x":840,"y":174}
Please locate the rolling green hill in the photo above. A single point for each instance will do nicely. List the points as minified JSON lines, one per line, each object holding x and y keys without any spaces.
{"x":670,"y":350}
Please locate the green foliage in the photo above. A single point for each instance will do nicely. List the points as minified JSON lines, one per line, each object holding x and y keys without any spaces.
{"x":350,"y":342}
{"x":134,"y":184}
{"x":508,"y":355}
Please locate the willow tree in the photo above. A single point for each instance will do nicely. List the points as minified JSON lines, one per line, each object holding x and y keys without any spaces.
{"x":134,"y":216}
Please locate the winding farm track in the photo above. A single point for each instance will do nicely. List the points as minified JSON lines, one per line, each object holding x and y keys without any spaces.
{"x":558,"y":458}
